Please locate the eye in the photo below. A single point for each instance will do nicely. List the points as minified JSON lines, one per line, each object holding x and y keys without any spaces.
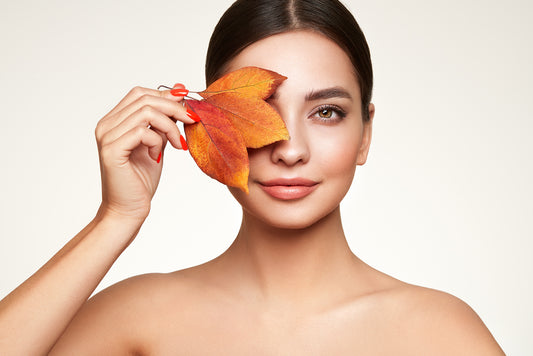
{"x":328,"y":113}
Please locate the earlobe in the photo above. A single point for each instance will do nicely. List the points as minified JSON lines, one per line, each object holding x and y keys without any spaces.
{"x":366,"y":137}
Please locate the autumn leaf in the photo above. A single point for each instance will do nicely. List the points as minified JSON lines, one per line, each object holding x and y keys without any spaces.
{"x":255,"y":119}
{"x":217,"y":146}
{"x":250,"y":81}
{"x":234,"y":115}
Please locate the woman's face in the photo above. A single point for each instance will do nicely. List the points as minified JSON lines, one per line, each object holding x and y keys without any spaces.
{"x":297,"y":182}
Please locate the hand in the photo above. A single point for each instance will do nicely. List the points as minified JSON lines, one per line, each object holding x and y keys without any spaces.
{"x":131,"y":139}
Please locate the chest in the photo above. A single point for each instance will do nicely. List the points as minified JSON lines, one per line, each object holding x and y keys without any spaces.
{"x":219,"y":333}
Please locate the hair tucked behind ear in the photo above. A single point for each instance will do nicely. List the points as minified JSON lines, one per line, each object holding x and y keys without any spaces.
{"x":248,"y":21}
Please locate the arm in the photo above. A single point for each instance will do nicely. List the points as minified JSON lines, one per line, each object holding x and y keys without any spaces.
{"x":130,"y":139}
{"x":35,"y":314}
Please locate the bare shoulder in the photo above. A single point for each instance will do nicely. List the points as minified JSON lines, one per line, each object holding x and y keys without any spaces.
{"x":118,"y":319}
{"x":438,"y":323}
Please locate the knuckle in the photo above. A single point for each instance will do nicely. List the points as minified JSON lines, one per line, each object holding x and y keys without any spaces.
{"x":137,"y":91}
{"x":144,"y":98}
{"x":104,"y":140}
{"x":147,"y":110}
{"x":106,"y":152}
{"x":99,"y":131}
{"x":139,"y":130}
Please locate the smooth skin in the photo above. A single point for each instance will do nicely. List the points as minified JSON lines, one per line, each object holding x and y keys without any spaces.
{"x":288,"y":285}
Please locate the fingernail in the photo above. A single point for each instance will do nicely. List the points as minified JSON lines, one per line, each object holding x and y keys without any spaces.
{"x":159,"y":158}
{"x":184,"y":145}
{"x":179,"y":92}
{"x":179,"y":86}
{"x":193,"y":115}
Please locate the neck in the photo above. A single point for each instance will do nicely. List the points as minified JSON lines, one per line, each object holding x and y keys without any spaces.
{"x":289,"y":264}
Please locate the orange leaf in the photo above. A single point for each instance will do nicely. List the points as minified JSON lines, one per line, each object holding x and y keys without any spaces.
{"x":217,"y":146}
{"x":234,"y":115}
{"x":250,"y":81}
{"x":258,"y":123}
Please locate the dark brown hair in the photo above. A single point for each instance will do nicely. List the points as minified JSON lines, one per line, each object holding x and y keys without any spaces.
{"x":248,"y":21}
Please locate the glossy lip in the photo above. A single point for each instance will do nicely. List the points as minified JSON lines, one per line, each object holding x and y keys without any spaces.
{"x":288,"y":188}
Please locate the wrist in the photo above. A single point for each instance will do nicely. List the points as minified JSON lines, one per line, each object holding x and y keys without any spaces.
{"x":107,"y":214}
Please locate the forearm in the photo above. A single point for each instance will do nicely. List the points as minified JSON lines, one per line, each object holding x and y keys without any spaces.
{"x":35,"y":314}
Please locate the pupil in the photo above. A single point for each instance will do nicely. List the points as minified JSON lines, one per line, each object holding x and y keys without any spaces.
{"x":325,"y":113}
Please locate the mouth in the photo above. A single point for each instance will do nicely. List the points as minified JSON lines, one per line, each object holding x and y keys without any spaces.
{"x":288,"y":188}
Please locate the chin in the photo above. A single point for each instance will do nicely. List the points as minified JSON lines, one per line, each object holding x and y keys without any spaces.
{"x":287,"y":221}
{"x":290,"y":215}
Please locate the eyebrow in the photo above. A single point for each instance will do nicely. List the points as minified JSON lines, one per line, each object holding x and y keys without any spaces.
{"x":328,"y":93}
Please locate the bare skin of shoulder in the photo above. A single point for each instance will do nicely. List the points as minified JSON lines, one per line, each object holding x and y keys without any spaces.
{"x":203,"y":310}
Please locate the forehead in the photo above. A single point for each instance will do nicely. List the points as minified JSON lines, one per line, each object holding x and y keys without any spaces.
{"x":309,"y":60}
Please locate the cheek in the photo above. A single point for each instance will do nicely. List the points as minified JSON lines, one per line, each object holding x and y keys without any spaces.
{"x":338,"y":152}
{"x":259,"y":159}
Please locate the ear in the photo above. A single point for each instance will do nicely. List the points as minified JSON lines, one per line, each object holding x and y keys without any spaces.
{"x":367,"y":136}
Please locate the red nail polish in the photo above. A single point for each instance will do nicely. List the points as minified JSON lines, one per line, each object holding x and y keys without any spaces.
{"x":193,"y":115}
{"x":184,"y":145}
{"x":179,"y":92}
{"x":159,"y":157}
{"x":178,"y":86}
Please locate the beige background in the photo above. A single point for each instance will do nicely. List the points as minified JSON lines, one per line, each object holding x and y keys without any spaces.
{"x":445,"y":200}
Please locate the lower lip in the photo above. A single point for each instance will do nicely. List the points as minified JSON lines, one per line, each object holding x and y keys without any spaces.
{"x":288,"y":192}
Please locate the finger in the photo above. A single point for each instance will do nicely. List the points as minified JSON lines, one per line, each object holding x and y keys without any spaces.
{"x":168,"y":107}
{"x":163,"y":138}
{"x":183,"y":142}
{"x":172,"y":109}
{"x":146,"y":116}
{"x":119,"y":151}
{"x":137,"y":92}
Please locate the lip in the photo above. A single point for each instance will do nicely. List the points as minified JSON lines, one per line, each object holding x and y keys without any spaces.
{"x":288,"y":188}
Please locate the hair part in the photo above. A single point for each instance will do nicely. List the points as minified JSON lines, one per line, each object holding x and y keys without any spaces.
{"x":248,"y":21}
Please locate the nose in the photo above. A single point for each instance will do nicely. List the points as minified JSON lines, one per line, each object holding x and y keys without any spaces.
{"x":295,"y":150}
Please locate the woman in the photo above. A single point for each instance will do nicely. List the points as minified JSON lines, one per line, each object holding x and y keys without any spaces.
{"x":289,"y":283}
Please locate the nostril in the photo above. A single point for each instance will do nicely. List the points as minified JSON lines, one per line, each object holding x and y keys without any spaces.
{"x":290,"y":152}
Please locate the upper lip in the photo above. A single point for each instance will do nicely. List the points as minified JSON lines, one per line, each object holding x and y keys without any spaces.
{"x":289,"y":182}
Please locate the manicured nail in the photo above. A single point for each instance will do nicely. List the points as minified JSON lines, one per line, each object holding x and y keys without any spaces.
{"x":178,"y":86}
{"x":179,"y":92}
{"x":159,"y":157}
{"x":193,"y":115}
{"x":184,"y":145}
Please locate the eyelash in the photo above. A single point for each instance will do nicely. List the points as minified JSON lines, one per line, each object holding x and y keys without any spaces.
{"x":341,"y":114}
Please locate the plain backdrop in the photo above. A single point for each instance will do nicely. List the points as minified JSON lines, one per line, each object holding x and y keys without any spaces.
{"x":444,"y":201}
